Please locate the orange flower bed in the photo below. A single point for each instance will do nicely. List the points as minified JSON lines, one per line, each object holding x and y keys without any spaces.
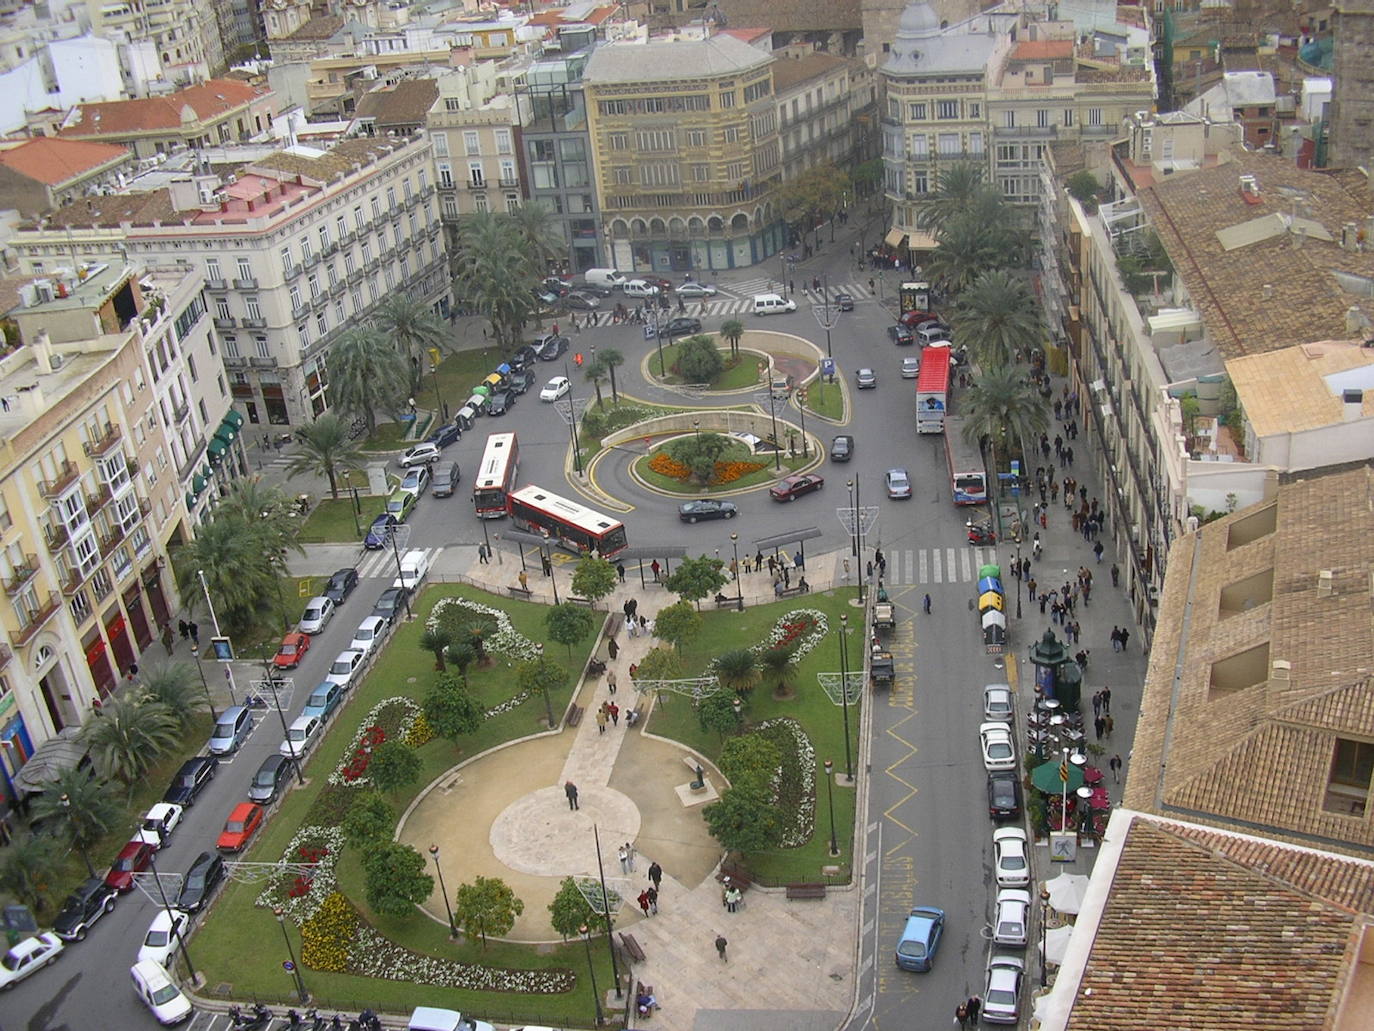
{"x":662,"y":464}
{"x":729,"y":472}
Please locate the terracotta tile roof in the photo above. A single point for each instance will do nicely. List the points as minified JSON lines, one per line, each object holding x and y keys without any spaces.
{"x":338,"y":160}
{"x":1286,"y":391}
{"x":208,"y":100}
{"x":112,"y":211}
{"x":789,"y":72}
{"x":404,"y":104}
{"x":54,"y":161}
{"x":322,"y":26}
{"x":1253,"y":751}
{"x":794,"y":15}
{"x":1042,"y":50}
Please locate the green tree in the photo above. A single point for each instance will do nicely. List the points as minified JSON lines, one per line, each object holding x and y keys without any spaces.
{"x":496,"y":273}
{"x":469,"y":627}
{"x":744,"y":820}
{"x":867,"y":177}
{"x":413,"y":329}
{"x":716,"y":712}
{"x":370,"y":817}
{"x":394,"y":765}
{"x":737,"y":670}
{"x":394,"y":878}
{"x":1004,"y":406}
{"x":367,"y":374}
{"x":568,"y":624}
{"x":487,"y":906}
{"x":451,"y":710}
{"x":700,"y":452}
{"x":612,"y":359}
{"x":998,"y":318}
{"x":569,"y":911}
{"x":593,"y":577}
{"x":595,"y":371}
{"x":696,"y":578}
{"x":816,"y":193}
{"x":965,"y":249}
{"x":543,"y":676}
{"x":750,"y":757}
{"x":238,"y":572}
{"x":1082,"y":186}
{"x":957,"y":190}
{"x":266,"y":512}
{"x":539,"y":229}
{"x":677,"y":624}
{"x":462,"y":655}
{"x":128,"y":735}
{"x":660,"y":663}
{"x":80,"y":807}
{"x":176,"y":686}
{"x":324,"y":448}
{"x":732,"y":330}
{"x":779,"y":669}
{"x":28,"y":869}
{"x":437,"y":640}
{"x":699,"y":360}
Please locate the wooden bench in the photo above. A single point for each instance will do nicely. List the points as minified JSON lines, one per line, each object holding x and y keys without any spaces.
{"x":787,"y":592}
{"x":643,"y":989}
{"x":575,"y":714}
{"x":805,"y":891}
{"x":738,"y":875}
{"x":632,"y":947}
{"x":519,"y":592}
{"x":586,"y":602}
{"x":728,"y":603}
{"x":615,"y":624}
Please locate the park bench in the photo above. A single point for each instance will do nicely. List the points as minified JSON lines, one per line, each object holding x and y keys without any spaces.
{"x":646,"y":990}
{"x":737,"y":874}
{"x":585,"y":602}
{"x":575,"y":714}
{"x":632,"y":947}
{"x":787,"y":592}
{"x":519,"y":592}
{"x":727,"y":603}
{"x":615,"y":624}
{"x":805,"y":891}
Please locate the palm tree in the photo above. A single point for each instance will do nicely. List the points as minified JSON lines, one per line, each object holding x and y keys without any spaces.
{"x":495,"y":273}
{"x":367,"y":374}
{"x":176,"y":686}
{"x":413,"y":329}
{"x":596,"y":372}
{"x":28,"y":867}
{"x":436,"y":640}
{"x":541,"y":233}
{"x":325,"y":447}
{"x":462,"y":654}
{"x":998,"y":317}
{"x":778,"y":667}
{"x":737,"y":670}
{"x":128,"y":735}
{"x":264,"y":508}
{"x":240,"y":570}
{"x":966,"y":248}
{"x":81,"y":806}
{"x":732,"y":330}
{"x":612,"y":359}
{"x":1004,"y":406}
{"x":955,"y":192}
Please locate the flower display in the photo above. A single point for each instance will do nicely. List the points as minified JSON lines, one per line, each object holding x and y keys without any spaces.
{"x":391,"y":718}
{"x":326,"y":936}
{"x":506,"y":641}
{"x":665,"y":465}
{"x":802,"y":629}
{"x":420,"y":733}
{"x":371,"y":955}
{"x":793,"y":785}
{"x":729,"y":472}
{"x":300,"y":892}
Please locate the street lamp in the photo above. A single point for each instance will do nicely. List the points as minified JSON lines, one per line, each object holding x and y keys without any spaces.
{"x":586,"y":933}
{"x":1021,"y":580}
{"x":548,"y":704}
{"x":357,"y":508}
{"x":606,"y":905}
{"x":171,"y":919}
{"x":286,"y":734}
{"x":400,"y":574}
{"x":844,"y":692}
{"x":572,"y":421}
{"x":67,"y":809}
{"x":214,"y":716}
{"x":553,"y":580}
{"x":452,"y":927}
{"x":773,"y":415}
{"x":857,"y":543}
{"x":830,"y":794}
{"x":1044,"y":922}
{"x":295,"y":967}
{"x":739,"y":584}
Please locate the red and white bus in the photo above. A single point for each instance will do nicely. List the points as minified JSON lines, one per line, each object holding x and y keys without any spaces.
{"x":932,"y":390}
{"x":968,"y":476}
{"x":496,"y":475}
{"x":566,"y":523}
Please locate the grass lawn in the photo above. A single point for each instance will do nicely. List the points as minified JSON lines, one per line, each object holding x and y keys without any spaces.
{"x":738,"y":373}
{"x":825,"y":399}
{"x":457,"y":375}
{"x":390,"y":436}
{"x":333,"y":520}
{"x":821,"y":718}
{"x":738,"y":452}
{"x":229,"y":946}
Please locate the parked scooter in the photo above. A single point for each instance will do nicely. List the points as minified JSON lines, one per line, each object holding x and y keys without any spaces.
{"x":981,"y":533}
{"x":241,"y":1021}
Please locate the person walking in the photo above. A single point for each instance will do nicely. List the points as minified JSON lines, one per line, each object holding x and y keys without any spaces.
{"x":926,"y":604}
{"x":1125,"y":636}
{"x":612,"y":649}
{"x":601,"y":719}
{"x":1098,"y":724}
{"x":1097,"y":550}
{"x":570,"y":789}
{"x":656,"y":569}
{"x":547,"y":564}
{"x":1107,"y":725}
{"x":624,"y":859}
{"x":653,"y":900}
{"x":614,"y":710}
{"x":610,"y":680}
{"x":183,"y":628}
{"x":1106,"y":693}
{"x":1116,"y":575}
{"x":524,"y":580}
{"x":975,"y":1007}
{"x":643,"y":901}
{"x":1097,"y":703}
{"x":656,"y":874}
{"x":620,"y":571}
{"x":194,"y":628}
{"x":167,"y":639}
{"x":630,"y":854}
{"x":1114,"y":764}
{"x":961,"y":1014}
{"x":720,"y":947}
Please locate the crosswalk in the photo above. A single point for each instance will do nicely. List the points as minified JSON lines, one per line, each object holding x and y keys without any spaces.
{"x":922,"y":566}
{"x":727,"y":303}
{"x":382,"y":563}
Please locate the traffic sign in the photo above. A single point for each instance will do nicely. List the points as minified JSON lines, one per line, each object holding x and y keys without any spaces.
{"x":827,"y":366}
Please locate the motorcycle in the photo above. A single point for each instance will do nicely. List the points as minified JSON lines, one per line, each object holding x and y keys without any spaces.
{"x":241,"y":1022}
{"x":981,"y":533}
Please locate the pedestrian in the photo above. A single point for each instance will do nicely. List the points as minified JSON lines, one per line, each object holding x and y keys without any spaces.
{"x":656,"y":874}
{"x":975,"y":1007}
{"x":846,"y":570}
{"x":1097,"y":704}
{"x":482,"y":554}
{"x":1116,"y":575}
{"x":961,"y":1014}
{"x":524,"y":580}
{"x":610,"y":679}
{"x":797,"y":561}
{"x":1098,"y":724}
{"x":1125,"y":636}
{"x":624,"y":859}
{"x":194,"y":628}
{"x":655,"y":568}
{"x":601,"y":720}
{"x":1114,"y":764}
{"x":758,"y":561}
{"x":791,"y":287}
{"x":1116,"y":639}
{"x":167,"y":639}
{"x":1030,"y":588}
{"x":720,"y":947}
{"x":879,"y":557}
{"x":868,"y":570}
{"x":620,"y":571}
{"x":772,"y":565}
{"x":1107,"y":691}
{"x":1107,"y":724}
{"x":653,"y":900}
{"x":547,"y":564}
{"x":184,"y":628}
{"x":570,"y":789}
{"x":614,"y":710}
{"x":926,"y":604}
{"x":731,"y":897}
{"x":644,"y":625}
{"x":634,"y":627}
{"x":643,"y":901}
{"x":1097,"y":550}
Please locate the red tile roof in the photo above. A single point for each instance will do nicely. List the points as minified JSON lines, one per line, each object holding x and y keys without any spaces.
{"x":1043,"y":50}
{"x":207,"y":101}
{"x":52,"y":161}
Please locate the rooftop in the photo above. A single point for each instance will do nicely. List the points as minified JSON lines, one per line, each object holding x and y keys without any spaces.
{"x":790,"y":72}
{"x":923,"y":47}
{"x":204,"y":102}
{"x":404,"y":104}
{"x":1299,"y":388}
{"x":56,"y":161}
{"x":1043,"y":50}
{"x":627,"y":62}
{"x":320,"y":27}
{"x":28,"y":388}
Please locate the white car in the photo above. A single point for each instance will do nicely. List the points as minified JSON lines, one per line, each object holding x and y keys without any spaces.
{"x":911,"y":367}
{"x":416,"y":479}
{"x":432,"y":1018}
{"x":1011,"y":922}
{"x":344,"y":669}
{"x":29,"y":955}
{"x":420,"y":454}
{"x":160,"y":943}
{"x":1009,"y":857}
{"x":999,"y":752}
{"x":369,"y":635}
{"x":318,"y":612}
{"x":555,"y":388}
{"x":158,"y":823}
{"x":997,"y":703}
{"x":301,"y":736}
{"x":159,"y":994}
{"x":1002,"y":990}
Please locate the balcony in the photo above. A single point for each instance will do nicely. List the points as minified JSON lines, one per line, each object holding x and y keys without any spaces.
{"x":477,"y":184}
{"x":508,"y":183}
{"x":180,"y":412}
{"x":254,"y":322}
{"x":66,"y":476}
{"x":216,"y":284}
{"x":310,"y":260}
{"x":291,"y":271}
{"x":145,"y":507}
{"x":427,"y":192}
{"x":348,"y":237}
{"x":262,"y":363}
{"x":72,"y":581}
{"x":5,"y":656}
{"x":235,"y":361}
{"x":246,"y":283}
{"x":110,"y":541}
{"x":57,"y":537}
{"x":22,"y":576}
{"x":225,"y":322}
{"x":300,"y":311}
{"x":1026,"y":131}
{"x":95,"y":502}
{"x":33,"y":621}
{"x":110,"y":436}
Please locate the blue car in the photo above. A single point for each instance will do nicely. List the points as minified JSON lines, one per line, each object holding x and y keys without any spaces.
{"x":920,"y":939}
{"x":380,"y":531}
{"x":323,"y":701}
{"x":445,"y":435}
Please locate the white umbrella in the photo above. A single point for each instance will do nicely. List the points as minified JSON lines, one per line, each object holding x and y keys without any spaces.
{"x":1057,"y":943}
{"x":1067,"y":891}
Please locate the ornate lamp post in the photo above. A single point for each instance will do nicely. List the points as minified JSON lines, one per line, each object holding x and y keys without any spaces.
{"x":830,"y":794}
{"x":591,"y":969}
{"x":443,"y":890}
{"x":739,"y":586}
{"x":67,"y":809}
{"x":295,"y":967}
{"x":844,"y":693}
{"x":1044,"y":929}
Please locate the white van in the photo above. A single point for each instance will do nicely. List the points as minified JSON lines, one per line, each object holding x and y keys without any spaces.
{"x":773,"y":304}
{"x":432,"y":1018}
{"x":934,"y":335}
{"x":414,"y":569}
{"x":639,"y":288}
{"x":607,"y":277}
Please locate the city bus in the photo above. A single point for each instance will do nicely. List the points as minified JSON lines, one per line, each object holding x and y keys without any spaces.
{"x":914,"y":296}
{"x":496,"y":475}
{"x":566,"y":523}
{"x":932,"y":390}
{"x":968,"y":477}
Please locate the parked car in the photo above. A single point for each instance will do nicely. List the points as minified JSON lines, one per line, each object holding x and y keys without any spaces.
{"x":245,"y":820}
{"x":231,"y":730}
{"x":91,"y":900}
{"x":390,"y":604}
{"x":523,"y":358}
{"x":659,"y":281}
{"x":158,"y":823}
{"x":319,"y":610}
{"x":1011,"y":862}
{"x":421,"y":454}
{"x":551,"y":348}
{"x":1011,"y":920}
{"x":1002,"y":990}
{"x":844,"y":301}
{"x":341,"y":585}
{"x":842,"y":448}
{"x":593,"y":289}
{"x":159,"y":993}
{"x":344,"y":668}
{"x":369,"y":634}
{"x":555,"y":388}
{"x":898,"y":483}
{"x":911,"y":368}
{"x":920,"y":938}
{"x":167,"y":928}
{"x":865,"y":378}
{"x":707,"y":508}
{"x":793,"y":487}
{"x":900,"y":334}
{"x":521,"y":381}
{"x":191,"y":779}
{"x":200,"y":882}
{"x":323,"y":701}
{"x":1004,"y":795}
{"x":445,"y":480}
{"x":501,"y":402}
{"x":997,"y":703}
{"x":416,"y":480}
{"x":554,"y":285}
{"x":447,"y":434}
{"x":401,"y":504}
{"x":292,"y":649}
{"x":999,"y":751}
{"x":27,"y":956}
{"x":380,"y":531}
{"x":912,"y":319}
{"x":688,"y":291}
{"x":272,"y":775}
{"x":133,"y":858}
{"x":303,"y":734}
{"x":680,"y":327}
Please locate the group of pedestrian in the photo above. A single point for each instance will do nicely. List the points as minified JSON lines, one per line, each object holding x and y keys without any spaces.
{"x":608,"y":713}
{"x":731,"y":896}
{"x":648,"y":898}
{"x":966,"y":1013}
{"x":1120,"y":635}
{"x":189,"y":629}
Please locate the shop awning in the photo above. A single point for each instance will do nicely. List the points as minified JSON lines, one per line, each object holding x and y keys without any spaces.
{"x":227,"y":432}
{"x":216,"y":448}
{"x":234,"y":418}
{"x":921,"y":240}
{"x":894,"y":237}
{"x":50,"y":760}
{"x":198,"y":483}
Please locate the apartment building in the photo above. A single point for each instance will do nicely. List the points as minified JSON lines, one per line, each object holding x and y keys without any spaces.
{"x":40,"y":174}
{"x":1352,"y":103}
{"x":115,"y":433}
{"x":296,"y":246}
{"x":687,"y":156}
{"x":475,"y":157}
{"x":816,"y":110}
{"x":184,"y":35}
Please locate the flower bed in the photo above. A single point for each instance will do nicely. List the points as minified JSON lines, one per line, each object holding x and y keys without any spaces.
{"x":301,"y":893}
{"x":664,"y":465}
{"x":390,"y":719}
{"x":729,"y":472}
{"x":506,"y":641}
{"x":371,"y":955}
{"x":794,"y":784}
{"x":799,"y":628}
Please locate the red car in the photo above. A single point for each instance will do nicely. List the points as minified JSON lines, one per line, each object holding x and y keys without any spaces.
{"x":293,"y":648}
{"x":133,"y":858}
{"x":664,"y":285}
{"x":239,"y":829}
{"x":912,"y":319}
{"x":793,"y":487}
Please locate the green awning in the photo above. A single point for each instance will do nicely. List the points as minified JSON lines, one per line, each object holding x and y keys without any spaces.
{"x":1047,"y":777}
{"x":227,"y":432}
{"x":216,"y":447}
{"x":207,"y":472}
{"x":234,"y":418}
{"x":190,"y":500}
{"x":198,"y":484}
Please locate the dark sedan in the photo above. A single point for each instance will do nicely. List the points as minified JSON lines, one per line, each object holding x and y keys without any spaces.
{"x":524,"y":357}
{"x":842,"y":448}
{"x":1004,"y":795}
{"x":845,"y":302}
{"x":695,"y":511}
{"x":380,"y":531}
{"x":900,"y":334}
{"x":341,"y":585}
{"x":191,"y":779}
{"x":200,"y":882}
{"x":445,"y":435}
{"x":551,"y":348}
{"x":390,"y":604}
{"x":793,"y":487}
{"x":87,"y":904}
{"x":500,"y":402}
{"x":679,"y":327}
{"x":521,"y":381}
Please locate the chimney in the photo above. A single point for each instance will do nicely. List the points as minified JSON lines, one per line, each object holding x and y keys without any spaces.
{"x":1354,"y":321}
{"x":1267,"y":291}
{"x":1349,"y":236}
{"x":1352,"y":404}
{"x":1325,"y":587}
{"x":42,"y":351}
{"x":31,"y":397}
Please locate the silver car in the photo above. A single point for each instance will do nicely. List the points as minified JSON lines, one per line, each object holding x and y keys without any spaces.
{"x":997,"y":703}
{"x":1002,"y":990}
{"x":1011,"y":922}
{"x":910,"y":367}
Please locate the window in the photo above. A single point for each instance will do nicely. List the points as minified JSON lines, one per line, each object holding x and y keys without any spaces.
{"x":254,"y":309}
{"x":1068,"y":116}
{"x":975,"y":143}
{"x":231,"y":347}
{"x":1042,"y":118}
{"x":658,"y":174}
{"x":245,"y":268}
{"x":324,"y":239}
{"x":948,"y":143}
{"x":1009,"y":119}
{"x":287,"y":262}
{"x":376,"y":207}
{"x":727,"y":99}
{"x":701,"y":173}
{"x":348,"y":262}
{"x":313,"y":281}
{"x":570,"y":150}
{"x":735,"y":171}
{"x":479,"y":202}
{"x":920,"y":146}
{"x":503,"y":141}
{"x":947,"y":109}
{"x":894,"y":109}
{"x":655,"y":139}
{"x":920,"y":183}
{"x":322,"y":321}
{"x":260,"y":342}
{"x":358,"y":220}
{"x":449,"y":206}
{"x":471,"y":144}
{"x":508,"y":171}
{"x":440,"y":143}
{"x":1094,"y":116}
{"x":916,"y":112}
{"x":212,"y":270}
{"x":333,"y":274}
{"x":696,"y":137}
{"x":512,"y":203}
{"x":445,"y":174}
{"x":731,"y":134}
{"x":1352,"y":767}
{"x":755,"y":90}
{"x":622,"y":175}
{"x":975,"y":109}
{"x":476,"y":176}
{"x":618,"y":140}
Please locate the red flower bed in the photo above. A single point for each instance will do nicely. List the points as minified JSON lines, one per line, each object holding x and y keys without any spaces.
{"x":793,"y":631}
{"x":362,"y":755}
{"x":310,"y":854}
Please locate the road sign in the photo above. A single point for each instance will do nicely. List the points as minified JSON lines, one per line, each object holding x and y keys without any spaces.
{"x":827,"y":366}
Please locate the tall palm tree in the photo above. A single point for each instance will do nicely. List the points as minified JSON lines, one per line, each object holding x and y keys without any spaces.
{"x":612,"y":359}
{"x":462,"y":654}
{"x":495,"y":273}
{"x":997,"y":316}
{"x":413,"y":329}
{"x":595,"y":373}
{"x":83,"y":807}
{"x":541,"y":232}
{"x":366,"y":374}
{"x":325,"y":447}
{"x":777,"y":666}
{"x":176,"y":686}
{"x":128,"y":735}
{"x":965,"y":249}
{"x":737,"y":670}
{"x":732,"y":330}
{"x":1004,"y":406}
{"x":955,"y":192}
{"x":28,"y":869}
{"x":239,"y":565}
{"x":436,"y":640}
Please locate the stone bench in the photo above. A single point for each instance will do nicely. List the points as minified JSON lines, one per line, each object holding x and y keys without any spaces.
{"x":575,"y":714}
{"x":805,"y":891}
{"x":519,"y":592}
{"x":632,"y":948}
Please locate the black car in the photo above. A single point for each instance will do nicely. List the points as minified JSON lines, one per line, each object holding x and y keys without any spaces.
{"x":275,"y":771}
{"x":554,"y":285}
{"x":900,"y":334}
{"x":341,"y":585}
{"x":694,"y":511}
{"x":842,"y":448}
{"x":390,"y":603}
{"x":91,"y":900}
{"x":500,"y":402}
{"x":523,"y":358}
{"x":191,"y":779}
{"x":521,"y":381}
{"x":1004,"y":795}
{"x":593,"y":289}
{"x":200,"y":882}
{"x":380,"y":531}
{"x":445,"y":435}
{"x":844,"y":302}
{"x":551,"y":348}
{"x":680,"y":326}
